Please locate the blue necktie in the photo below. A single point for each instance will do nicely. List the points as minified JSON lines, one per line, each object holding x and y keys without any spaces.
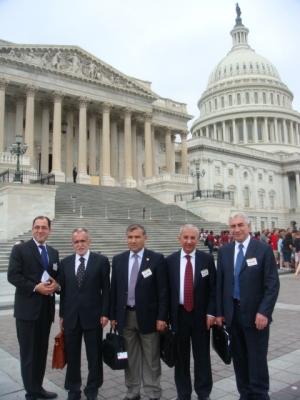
{"x":238,"y":266}
{"x":44,"y":256}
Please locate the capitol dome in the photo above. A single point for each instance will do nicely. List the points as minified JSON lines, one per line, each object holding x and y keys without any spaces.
{"x":246,"y":103}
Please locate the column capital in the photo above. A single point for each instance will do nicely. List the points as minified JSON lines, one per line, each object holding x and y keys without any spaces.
{"x":127,"y":111}
{"x":3,"y":83}
{"x":83,"y":101}
{"x":183,"y":134}
{"x":31,"y":90}
{"x":147,"y":116}
{"x":93,"y":114}
{"x":106,"y":107}
{"x":46,"y":104}
{"x":70,"y":109}
{"x":167,"y":129}
{"x":173,"y":138}
{"x":58,"y":95}
{"x":19,"y":99}
{"x":153,"y":127}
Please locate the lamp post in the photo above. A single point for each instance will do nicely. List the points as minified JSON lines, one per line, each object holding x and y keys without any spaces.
{"x":197,"y":174}
{"x":16,"y":148}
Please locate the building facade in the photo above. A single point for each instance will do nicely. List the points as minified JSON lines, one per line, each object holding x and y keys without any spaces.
{"x":119,"y":131}
{"x":247,"y":136}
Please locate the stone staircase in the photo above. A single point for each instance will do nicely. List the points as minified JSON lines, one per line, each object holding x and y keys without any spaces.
{"x":106,"y":213}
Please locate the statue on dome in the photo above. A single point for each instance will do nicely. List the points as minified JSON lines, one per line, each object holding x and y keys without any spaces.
{"x":238,"y":10}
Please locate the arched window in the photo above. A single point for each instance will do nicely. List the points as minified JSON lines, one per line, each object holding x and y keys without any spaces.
{"x":272,"y":98}
{"x":259,"y":134}
{"x":249,"y":130}
{"x":216,"y":104}
{"x":238,"y":98}
{"x":210,"y":106}
{"x":230,"y":100}
{"x":256,"y":98}
{"x":247,"y":98}
{"x":241,"y":133}
{"x":231,"y":139}
{"x":264,"y":98}
{"x":222,"y":102}
{"x":278,"y":99}
{"x":246,"y":197}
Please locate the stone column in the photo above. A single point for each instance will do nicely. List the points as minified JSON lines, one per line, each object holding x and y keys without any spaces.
{"x":69,"y":109}
{"x":184,"y":164}
{"x":215,"y":131}
{"x":297,"y":174}
{"x":82,"y":176}
{"x":134,"y":150}
{"x":114,"y":148}
{"x":153,"y":126}
{"x":207,"y":131}
{"x":173,"y":139}
{"x":245,"y":130}
{"x":3,"y":85}
{"x":92,"y":141}
{"x":20,"y":102}
{"x":128,"y":180}
{"x":29,"y":124}
{"x":106,"y":179}
{"x":285,"y":132}
{"x":56,"y":146}
{"x":292,"y":133}
{"x":46,"y":105}
{"x":148,"y":145}
{"x":168,"y":139}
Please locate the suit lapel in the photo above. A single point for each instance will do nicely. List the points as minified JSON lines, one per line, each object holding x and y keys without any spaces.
{"x":231,"y":247}
{"x":250,"y":252}
{"x":88,"y":268}
{"x":144,"y":264}
{"x":177,"y":270}
{"x":36,"y":253}
{"x":125,"y":267}
{"x":197,"y":268}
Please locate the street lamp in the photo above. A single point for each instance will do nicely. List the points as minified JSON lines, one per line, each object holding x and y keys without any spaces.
{"x":16,"y":148}
{"x":197,"y":174}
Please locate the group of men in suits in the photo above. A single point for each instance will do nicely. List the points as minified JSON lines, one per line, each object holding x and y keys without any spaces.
{"x":146,"y":290}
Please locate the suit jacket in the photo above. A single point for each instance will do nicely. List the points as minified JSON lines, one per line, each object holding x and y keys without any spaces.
{"x":25,"y":271}
{"x":204,"y":288}
{"x":259,"y":283}
{"x":91,"y":301}
{"x":151,"y":293}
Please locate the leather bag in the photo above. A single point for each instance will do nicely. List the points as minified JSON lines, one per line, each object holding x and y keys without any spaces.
{"x":59,"y":352}
{"x":114,"y":351}
{"x":169,"y":347}
{"x":221,"y":343}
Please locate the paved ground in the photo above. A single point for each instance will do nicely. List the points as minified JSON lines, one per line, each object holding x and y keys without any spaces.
{"x":284,"y":356}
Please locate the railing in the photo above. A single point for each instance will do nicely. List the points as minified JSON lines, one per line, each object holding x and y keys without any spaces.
{"x":31,"y":177}
{"x":215,"y":194}
{"x":8,"y":158}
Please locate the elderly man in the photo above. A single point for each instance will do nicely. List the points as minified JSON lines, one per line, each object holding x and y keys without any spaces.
{"x":139,"y":307}
{"x":192,"y":278}
{"x":247,"y":290}
{"x":84,"y":311}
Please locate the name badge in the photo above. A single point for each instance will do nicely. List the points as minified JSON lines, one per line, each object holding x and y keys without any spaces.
{"x":251,"y":262}
{"x":147,"y":273}
{"x":204,"y":273}
{"x":55,"y":267}
{"x":122,"y":355}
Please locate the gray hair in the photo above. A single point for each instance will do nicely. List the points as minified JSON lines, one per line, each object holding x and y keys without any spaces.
{"x":189,"y":227}
{"x":78,"y":230}
{"x":239,"y":214}
{"x":134,"y":227}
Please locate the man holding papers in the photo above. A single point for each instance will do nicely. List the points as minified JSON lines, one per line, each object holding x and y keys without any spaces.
{"x":34,"y":271}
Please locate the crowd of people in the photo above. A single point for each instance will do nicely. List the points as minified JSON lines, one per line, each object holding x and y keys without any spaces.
{"x":140,"y":295}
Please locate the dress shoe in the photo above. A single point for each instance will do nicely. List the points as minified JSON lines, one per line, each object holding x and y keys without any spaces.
{"x":133,"y":398}
{"x":204,"y":398}
{"x":92,"y":398}
{"x":44,"y":394}
{"x":74,"y":395}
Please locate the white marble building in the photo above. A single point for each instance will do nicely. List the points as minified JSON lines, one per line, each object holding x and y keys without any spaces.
{"x":119,"y":131}
{"x":247,"y":138}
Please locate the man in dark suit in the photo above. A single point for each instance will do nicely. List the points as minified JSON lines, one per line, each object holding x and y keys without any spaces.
{"x":34,"y":271}
{"x":192,"y":278}
{"x":247,"y":290}
{"x":84,"y":311}
{"x":139,"y":307}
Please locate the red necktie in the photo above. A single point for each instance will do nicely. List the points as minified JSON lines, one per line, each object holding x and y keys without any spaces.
{"x":188,"y":285}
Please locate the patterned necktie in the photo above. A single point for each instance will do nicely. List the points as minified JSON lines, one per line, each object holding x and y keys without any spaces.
{"x":238,"y":266}
{"x":132,"y":281}
{"x":188,"y":286}
{"x":80,"y":272}
{"x":44,"y":256}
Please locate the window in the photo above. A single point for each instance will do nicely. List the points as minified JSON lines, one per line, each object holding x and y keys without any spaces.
{"x":231,"y":139}
{"x":246,"y":197}
{"x":217,"y":170}
{"x":251,"y":66}
{"x":250,"y":134}
{"x":231,"y":196}
{"x":261,"y":200}
{"x":272,"y":98}
{"x":259,"y":134}
{"x":278,"y":99}
{"x":230,"y":100}
{"x":162,"y":147}
{"x":237,"y":67}
{"x":241,"y":133}
{"x":230,"y":171}
{"x":263,"y":67}
{"x":210,"y":106}
{"x":282,"y":134}
{"x":216,"y":104}
{"x":271,"y":178}
{"x":260,"y":177}
{"x":239,"y":98}
{"x":269,"y":133}
{"x":283,"y":101}
{"x":245,"y":175}
{"x":256,"y":98}
{"x":247,"y":98}
{"x":264,"y":98}
{"x":222,"y":102}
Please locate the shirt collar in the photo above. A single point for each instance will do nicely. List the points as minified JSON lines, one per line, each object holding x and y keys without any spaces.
{"x":39,"y":244}
{"x":140,"y":253}
{"x":183,"y":253}
{"x":245,"y":243}
{"x":85,"y":256}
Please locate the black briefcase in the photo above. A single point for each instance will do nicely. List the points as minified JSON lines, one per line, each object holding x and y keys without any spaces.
{"x":114,"y":352}
{"x":169,"y":348}
{"x":221,"y":343}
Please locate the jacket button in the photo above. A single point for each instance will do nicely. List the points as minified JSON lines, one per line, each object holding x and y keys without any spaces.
{"x":124,"y":306}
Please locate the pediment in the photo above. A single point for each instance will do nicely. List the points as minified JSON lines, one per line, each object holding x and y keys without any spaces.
{"x":75,"y":63}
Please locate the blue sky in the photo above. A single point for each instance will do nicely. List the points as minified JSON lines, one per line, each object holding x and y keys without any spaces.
{"x":175,"y":44}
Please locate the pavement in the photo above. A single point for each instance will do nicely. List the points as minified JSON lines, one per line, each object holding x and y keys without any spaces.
{"x":283,"y":356}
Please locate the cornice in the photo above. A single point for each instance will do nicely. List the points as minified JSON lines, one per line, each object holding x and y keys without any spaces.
{"x":186,"y":117}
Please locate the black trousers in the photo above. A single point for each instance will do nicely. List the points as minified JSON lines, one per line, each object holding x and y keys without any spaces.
{"x":33,"y":337}
{"x":200,"y":339}
{"x":249,"y":355}
{"x":93,"y":345}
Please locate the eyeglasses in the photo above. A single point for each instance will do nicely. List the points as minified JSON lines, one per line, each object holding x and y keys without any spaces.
{"x":43,"y":228}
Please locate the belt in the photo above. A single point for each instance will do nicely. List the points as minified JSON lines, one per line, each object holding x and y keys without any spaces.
{"x":236,"y":301}
{"x":130,"y":308}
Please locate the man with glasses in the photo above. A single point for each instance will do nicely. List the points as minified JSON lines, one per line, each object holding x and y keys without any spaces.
{"x":34,"y":271}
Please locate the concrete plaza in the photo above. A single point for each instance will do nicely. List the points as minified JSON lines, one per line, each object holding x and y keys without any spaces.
{"x":284,"y":355}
